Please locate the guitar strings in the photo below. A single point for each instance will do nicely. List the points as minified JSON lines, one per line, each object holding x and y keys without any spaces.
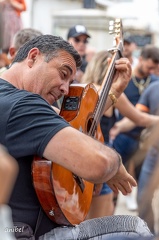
{"x":102,"y":98}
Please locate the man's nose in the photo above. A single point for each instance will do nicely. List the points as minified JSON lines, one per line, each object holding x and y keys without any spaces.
{"x":64,"y":88}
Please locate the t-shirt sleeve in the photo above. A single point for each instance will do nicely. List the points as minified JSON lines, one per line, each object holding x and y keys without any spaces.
{"x":143,"y":103}
{"x":31,"y":125}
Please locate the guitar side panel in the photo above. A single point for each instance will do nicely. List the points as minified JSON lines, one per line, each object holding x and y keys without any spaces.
{"x":41,"y":173}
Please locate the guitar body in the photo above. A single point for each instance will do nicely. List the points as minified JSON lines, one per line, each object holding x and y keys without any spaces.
{"x":66,"y":198}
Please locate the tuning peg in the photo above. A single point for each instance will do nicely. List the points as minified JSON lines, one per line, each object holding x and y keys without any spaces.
{"x":111,"y":22}
{"x":118,"y":20}
{"x":111,"y":28}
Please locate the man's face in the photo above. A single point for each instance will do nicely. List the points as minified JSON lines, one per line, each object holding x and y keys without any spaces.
{"x":146,"y":67}
{"x":51,"y":80}
{"x":79,"y":43}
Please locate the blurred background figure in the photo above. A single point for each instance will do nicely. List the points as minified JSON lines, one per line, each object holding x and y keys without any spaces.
{"x":142,"y":77}
{"x":78,"y":36}
{"x":11,"y":20}
{"x":90,"y":52}
{"x":148,"y":184}
{"x":129,"y":49}
{"x":147,"y":156}
{"x":149,"y":102}
{"x":103,"y":204}
{"x":4,"y":62}
{"x":8,"y":173}
{"x":20,"y":38}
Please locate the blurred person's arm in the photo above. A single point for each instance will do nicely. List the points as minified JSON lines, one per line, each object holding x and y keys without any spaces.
{"x":8,"y":173}
{"x":134,"y":117}
{"x":140,"y":118}
{"x":121,"y":126}
{"x":20,"y":6}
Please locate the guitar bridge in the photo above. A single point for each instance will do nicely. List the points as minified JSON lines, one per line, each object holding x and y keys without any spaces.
{"x":80,"y":182}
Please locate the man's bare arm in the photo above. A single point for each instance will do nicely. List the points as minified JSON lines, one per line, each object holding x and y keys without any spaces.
{"x":8,"y":173}
{"x":87,"y":158}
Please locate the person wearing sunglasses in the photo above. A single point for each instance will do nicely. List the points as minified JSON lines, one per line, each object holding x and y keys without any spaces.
{"x":78,"y":37}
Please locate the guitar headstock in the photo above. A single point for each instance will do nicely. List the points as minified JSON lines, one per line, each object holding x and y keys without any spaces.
{"x":115,"y":27}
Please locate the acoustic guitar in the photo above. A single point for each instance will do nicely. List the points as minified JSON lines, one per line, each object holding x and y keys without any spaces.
{"x":65,"y":197}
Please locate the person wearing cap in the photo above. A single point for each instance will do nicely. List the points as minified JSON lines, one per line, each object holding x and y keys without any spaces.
{"x":78,"y":37}
{"x":129,"y":48}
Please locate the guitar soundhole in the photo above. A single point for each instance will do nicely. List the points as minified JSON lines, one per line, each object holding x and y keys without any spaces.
{"x":71,"y":103}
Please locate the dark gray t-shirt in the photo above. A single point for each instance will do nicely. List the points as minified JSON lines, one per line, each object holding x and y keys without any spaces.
{"x":27,"y":124}
{"x":150,"y":98}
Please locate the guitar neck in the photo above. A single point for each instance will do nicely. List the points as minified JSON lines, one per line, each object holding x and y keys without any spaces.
{"x":106,"y":85}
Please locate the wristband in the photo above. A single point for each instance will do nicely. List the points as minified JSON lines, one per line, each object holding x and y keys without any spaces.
{"x":112,"y":97}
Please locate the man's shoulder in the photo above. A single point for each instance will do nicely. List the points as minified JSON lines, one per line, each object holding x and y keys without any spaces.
{"x":151,"y":91}
{"x":13,"y":98}
{"x":154,"y":78}
{"x":154,"y":84}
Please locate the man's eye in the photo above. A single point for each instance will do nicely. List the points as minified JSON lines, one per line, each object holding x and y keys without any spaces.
{"x":64,"y":74}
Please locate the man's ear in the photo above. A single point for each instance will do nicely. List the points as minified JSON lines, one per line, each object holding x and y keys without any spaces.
{"x":32,"y":56}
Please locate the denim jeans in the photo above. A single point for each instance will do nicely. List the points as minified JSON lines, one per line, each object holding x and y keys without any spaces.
{"x":126,"y":146}
{"x":147,"y":170}
{"x":145,"y":200}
